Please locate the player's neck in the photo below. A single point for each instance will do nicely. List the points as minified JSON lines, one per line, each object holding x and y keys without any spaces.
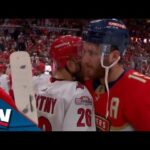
{"x":115,"y":73}
{"x":63,"y":74}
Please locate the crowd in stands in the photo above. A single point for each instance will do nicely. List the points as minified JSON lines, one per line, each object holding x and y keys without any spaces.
{"x":36,"y":35}
{"x":137,"y":55}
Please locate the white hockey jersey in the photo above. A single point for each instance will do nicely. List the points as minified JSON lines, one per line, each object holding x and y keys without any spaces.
{"x":4,"y":82}
{"x":65,"y":106}
{"x":40,"y":82}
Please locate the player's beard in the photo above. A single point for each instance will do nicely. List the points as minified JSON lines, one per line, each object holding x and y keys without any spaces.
{"x":92,"y":72}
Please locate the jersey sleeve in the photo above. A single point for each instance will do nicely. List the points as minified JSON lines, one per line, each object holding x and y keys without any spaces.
{"x":79,"y":115}
{"x":137,"y":109}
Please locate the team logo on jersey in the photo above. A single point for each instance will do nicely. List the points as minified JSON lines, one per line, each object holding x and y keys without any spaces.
{"x":99,"y":90}
{"x":102,"y":124}
{"x":83,"y":100}
{"x":5,"y":117}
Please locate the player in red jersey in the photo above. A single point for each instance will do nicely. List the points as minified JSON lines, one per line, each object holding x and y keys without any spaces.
{"x":122,"y":97}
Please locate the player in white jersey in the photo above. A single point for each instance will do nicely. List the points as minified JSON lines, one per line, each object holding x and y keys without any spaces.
{"x":4,"y":78}
{"x":40,"y":80}
{"x":65,"y":105}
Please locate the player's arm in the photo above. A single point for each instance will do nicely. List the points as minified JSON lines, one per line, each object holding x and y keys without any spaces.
{"x":80,"y":113}
{"x":138,"y":109}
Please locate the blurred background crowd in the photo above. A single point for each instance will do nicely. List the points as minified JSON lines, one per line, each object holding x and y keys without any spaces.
{"x":36,"y":36}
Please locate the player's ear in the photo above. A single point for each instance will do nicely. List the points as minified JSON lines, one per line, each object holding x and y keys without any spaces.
{"x":114,"y":55}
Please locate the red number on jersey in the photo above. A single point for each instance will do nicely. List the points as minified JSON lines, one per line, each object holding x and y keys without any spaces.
{"x":44,"y":124}
{"x":88,"y":117}
{"x":85,"y":114}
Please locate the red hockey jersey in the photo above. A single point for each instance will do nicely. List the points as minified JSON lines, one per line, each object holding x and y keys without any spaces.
{"x":128,"y":104}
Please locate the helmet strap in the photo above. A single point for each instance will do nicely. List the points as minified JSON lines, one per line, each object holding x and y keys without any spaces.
{"x":107,"y":68}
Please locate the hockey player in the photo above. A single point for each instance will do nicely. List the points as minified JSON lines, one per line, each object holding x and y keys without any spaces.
{"x":4,"y":81}
{"x":65,"y":105}
{"x":122,"y":97}
{"x":41,"y":80}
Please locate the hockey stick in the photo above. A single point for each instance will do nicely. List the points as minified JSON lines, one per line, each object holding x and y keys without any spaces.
{"x":21,"y":73}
